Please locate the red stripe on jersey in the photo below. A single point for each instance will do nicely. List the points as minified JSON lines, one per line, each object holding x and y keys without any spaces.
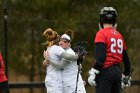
{"x":114,"y":45}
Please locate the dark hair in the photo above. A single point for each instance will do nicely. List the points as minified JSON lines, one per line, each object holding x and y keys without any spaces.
{"x":70,"y":34}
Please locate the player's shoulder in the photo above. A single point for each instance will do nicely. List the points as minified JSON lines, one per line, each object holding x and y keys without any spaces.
{"x":117,"y":32}
{"x":101,"y":32}
{"x":56,"y":47}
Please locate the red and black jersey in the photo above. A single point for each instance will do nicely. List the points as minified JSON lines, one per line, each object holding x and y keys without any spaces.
{"x":114,"y":45}
{"x":2,"y":74}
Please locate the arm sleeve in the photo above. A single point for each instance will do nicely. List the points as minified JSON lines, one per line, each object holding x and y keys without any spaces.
{"x":127,"y":64}
{"x":100,"y":55}
{"x":68,"y":56}
{"x":58,"y":65}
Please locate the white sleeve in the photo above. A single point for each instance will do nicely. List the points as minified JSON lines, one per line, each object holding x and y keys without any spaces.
{"x":63,"y":54}
{"x":68,"y":56}
{"x":58,"y":65}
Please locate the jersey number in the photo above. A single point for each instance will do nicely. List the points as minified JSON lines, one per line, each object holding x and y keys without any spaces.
{"x":116,"y":46}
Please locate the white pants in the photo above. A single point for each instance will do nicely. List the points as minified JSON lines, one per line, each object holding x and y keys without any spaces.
{"x":72,"y":88}
{"x":53,"y":83}
{"x":69,"y":82}
{"x":53,"y":87}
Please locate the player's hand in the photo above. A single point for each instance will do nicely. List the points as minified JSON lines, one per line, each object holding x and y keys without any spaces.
{"x":45,"y":54}
{"x":92,"y":75}
{"x":126,"y":81}
{"x":45,"y":63}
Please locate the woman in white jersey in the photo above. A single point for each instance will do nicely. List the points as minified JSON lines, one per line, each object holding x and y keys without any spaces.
{"x":53,"y":80}
{"x":68,"y":68}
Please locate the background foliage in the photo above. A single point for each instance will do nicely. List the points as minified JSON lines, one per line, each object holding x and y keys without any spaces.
{"x":27,"y":19}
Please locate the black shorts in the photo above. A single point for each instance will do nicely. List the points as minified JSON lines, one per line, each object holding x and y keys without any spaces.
{"x":4,"y":88}
{"x":109,"y":80}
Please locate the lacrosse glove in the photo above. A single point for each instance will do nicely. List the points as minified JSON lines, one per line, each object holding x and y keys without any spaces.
{"x":126,"y":81}
{"x":92,"y":75}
